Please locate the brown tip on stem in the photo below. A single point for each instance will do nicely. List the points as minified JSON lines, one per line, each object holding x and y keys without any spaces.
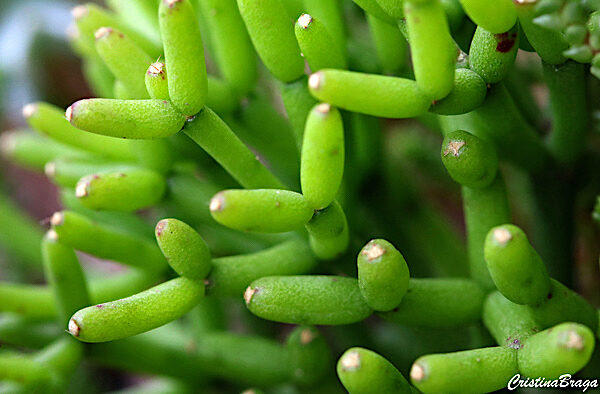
{"x":79,"y":11}
{"x":52,"y":235}
{"x":50,"y":169}
{"x":28,"y":110}
{"x":156,"y":68}
{"x":58,"y":218}
{"x":305,"y":20}
{"x":160,"y":227}
{"x":324,"y":108}
{"x":373,"y":251}
{"x":81,"y":190}
{"x":502,"y":235}
{"x":306,"y":336}
{"x":315,"y":80}
{"x":351,"y":361}
{"x":217,"y":203}
{"x":102,"y":32}
{"x":574,"y":340}
{"x":417,"y":372}
{"x":248,"y":294}
{"x":69,"y":113}
{"x":74,"y":327}
{"x":454,"y":147}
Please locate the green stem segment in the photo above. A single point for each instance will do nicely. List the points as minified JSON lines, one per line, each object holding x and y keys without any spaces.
{"x":438,"y":303}
{"x":323,"y":300}
{"x":184,"y":55}
{"x":217,"y":139}
{"x":360,"y":370}
{"x":138,"y":313}
{"x":328,"y":232}
{"x":65,"y":276}
{"x":484,"y":209}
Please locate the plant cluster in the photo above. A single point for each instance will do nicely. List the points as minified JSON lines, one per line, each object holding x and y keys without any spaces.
{"x":221,"y":210}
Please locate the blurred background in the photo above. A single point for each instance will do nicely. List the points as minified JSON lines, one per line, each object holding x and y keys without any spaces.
{"x":37,"y":63}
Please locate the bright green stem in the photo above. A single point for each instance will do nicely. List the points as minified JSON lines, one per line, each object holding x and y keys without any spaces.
{"x":125,"y":60}
{"x":509,"y":323}
{"x":217,"y":139}
{"x":328,"y":232}
{"x":470,"y":371}
{"x":127,"y":189}
{"x":138,"y":313}
{"x":317,"y":45}
{"x":383,"y":275}
{"x":483,"y":208}
{"x":370,"y":94}
{"x":261,"y":210}
{"x":323,"y":154}
{"x":184,"y":55}
{"x":65,"y":277}
{"x":432,"y":48}
{"x":184,"y":248}
{"x":232,"y":274}
{"x":330,"y":12}
{"x":360,"y":370}
{"x":106,"y":242}
{"x":156,"y":81}
{"x":298,"y":102}
{"x":468,"y":94}
{"x":570,"y":121}
{"x":438,"y":303}
{"x":390,"y":44}
{"x":135,"y":119}
{"x":309,"y":299}
{"x":50,"y":120}
{"x":562,"y":349}
{"x":20,"y":236}
{"x":515,"y":267}
{"x":493,"y":55}
{"x":470,"y":161}
{"x":273,"y":37}
{"x":232,"y":48}
{"x":495,"y":16}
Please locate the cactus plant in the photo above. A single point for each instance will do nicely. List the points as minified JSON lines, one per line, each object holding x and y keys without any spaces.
{"x":232,"y":216}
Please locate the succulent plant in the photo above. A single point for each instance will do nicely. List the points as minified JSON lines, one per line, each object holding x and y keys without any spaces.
{"x":315,"y":212}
